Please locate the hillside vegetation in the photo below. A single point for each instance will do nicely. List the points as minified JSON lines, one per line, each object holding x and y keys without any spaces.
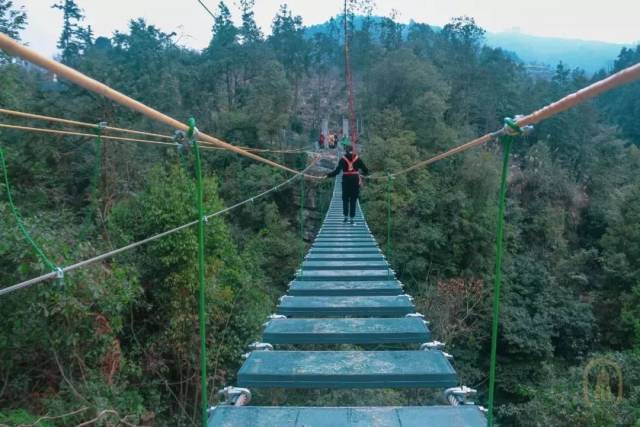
{"x":122,"y":335}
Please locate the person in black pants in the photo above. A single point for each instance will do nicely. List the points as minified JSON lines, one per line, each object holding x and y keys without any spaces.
{"x":350,"y":165}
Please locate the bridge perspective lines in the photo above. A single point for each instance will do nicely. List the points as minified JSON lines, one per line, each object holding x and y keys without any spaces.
{"x":345,"y":292}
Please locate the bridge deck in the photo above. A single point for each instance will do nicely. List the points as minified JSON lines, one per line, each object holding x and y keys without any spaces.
{"x":347,"y":369}
{"x":366,"y":306}
{"x":346,"y":331}
{"x":344,"y":288}
{"x":386,"y":416}
{"x":345,"y":292}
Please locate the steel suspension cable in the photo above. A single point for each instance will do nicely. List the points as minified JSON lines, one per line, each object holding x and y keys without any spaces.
{"x":14,"y":48}
{"x":207,"y":9}
{"x":124,"y":130}
{"x":88,"y":135}
{"x":126,"y":139}
{"x":60,"y":120}
{"x":133,"y":245}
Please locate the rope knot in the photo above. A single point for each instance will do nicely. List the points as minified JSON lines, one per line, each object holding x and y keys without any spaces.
{"x":511,"y":127}
{"x":192,"y":133}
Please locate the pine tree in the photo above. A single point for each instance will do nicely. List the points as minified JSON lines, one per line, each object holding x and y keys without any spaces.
{"x":225,"y":34}
{"x":290,"y":46}
{"x":222,"y":49}
{"x":249,"y":30}
{"x":74,"y":38}
{"x":12,"y":20}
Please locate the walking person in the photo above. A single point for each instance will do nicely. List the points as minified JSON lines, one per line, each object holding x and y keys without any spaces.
{"x":350,"y":165}
{"x":334,"y":140}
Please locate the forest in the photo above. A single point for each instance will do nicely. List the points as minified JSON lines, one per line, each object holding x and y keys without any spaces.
{"x":118,"y":341}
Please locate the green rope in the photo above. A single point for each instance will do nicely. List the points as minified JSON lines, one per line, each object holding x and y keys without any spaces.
{"x":506,"y":141}
{"x":18,"y":218}
{"x":388,"y":251}
{"x":97,"y":170}
{"x":191,"y":134}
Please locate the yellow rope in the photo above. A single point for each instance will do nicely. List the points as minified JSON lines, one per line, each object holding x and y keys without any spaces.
{"x":78,"y":123}
{"x":85,"y":135}
{"x":116,"y":129}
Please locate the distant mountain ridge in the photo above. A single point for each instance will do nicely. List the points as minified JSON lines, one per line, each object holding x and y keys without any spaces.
{"x":589,"y":55}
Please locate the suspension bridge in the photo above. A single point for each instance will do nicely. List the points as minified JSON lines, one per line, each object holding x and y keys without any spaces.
{"x":345,"y":292}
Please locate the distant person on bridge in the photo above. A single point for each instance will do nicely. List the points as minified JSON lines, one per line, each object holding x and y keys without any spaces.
{"x":350,"y":165}
{"x":332,"y":140}
{"x":345,"y":141}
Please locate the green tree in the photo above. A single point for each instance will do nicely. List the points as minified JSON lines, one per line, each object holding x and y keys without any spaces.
{"x":164,"y":316}
{"x":402,"y":81}
{"x":12,"y":21}
{"x":390,"y":31}
{"x":290,"y":46}
{"x":74,"y":38}
{"x":457,"y":52}
{"x":622,"y":104}
{"x":222,"y":50}
{"x":249,"y":31}
{"x":620,"y":258}
{"x":269,"y":100}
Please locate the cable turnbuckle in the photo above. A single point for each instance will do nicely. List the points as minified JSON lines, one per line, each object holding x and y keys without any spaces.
{"x":235,"y":396}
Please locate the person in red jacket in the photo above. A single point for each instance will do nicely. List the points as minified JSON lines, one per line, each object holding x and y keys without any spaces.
{"x":350,"y":165}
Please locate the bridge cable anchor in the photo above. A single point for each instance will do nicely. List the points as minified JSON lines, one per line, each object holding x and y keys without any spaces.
{"x":235,"y":396}
{"x":260,"y":346}
{"x":458,"y":395}
{"x":436,"y":346}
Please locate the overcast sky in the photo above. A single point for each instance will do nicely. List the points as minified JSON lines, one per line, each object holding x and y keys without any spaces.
{"x":611,"y":21}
